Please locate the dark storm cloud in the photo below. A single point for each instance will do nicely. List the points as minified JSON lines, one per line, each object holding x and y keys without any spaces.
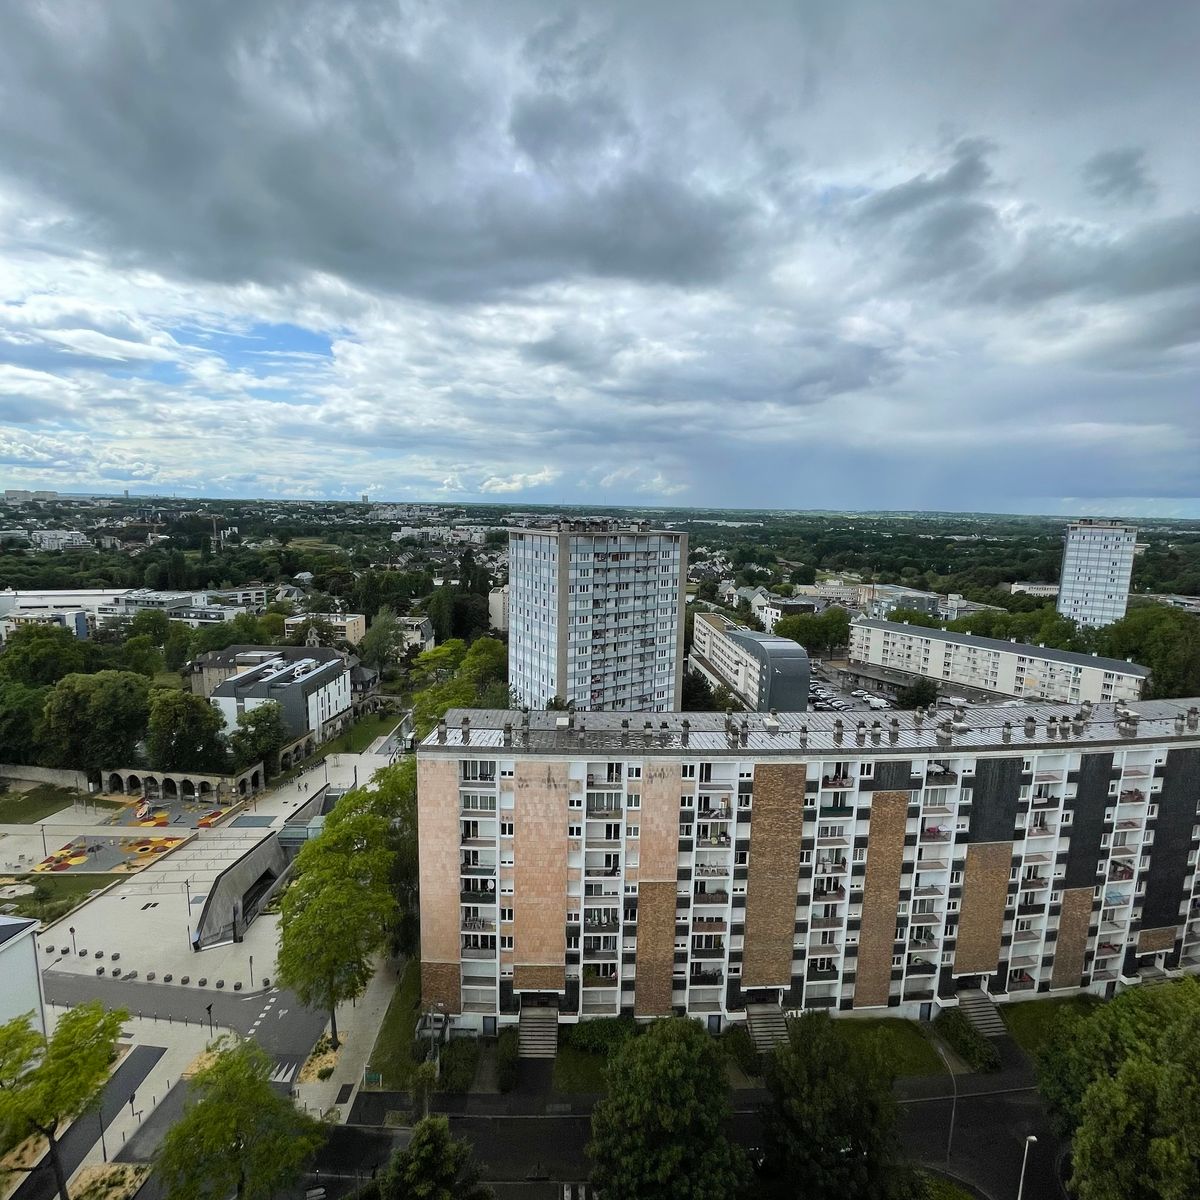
{"x":1119,"y":176}
{"x":966,"y":175}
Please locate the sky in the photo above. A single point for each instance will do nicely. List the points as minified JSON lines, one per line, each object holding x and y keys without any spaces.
{"x":797,"y":255}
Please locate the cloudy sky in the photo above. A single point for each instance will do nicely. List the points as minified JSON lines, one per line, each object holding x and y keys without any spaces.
{"x":793,"y":254}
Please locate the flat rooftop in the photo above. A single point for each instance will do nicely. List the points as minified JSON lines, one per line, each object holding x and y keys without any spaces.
{"x":980,"y":728}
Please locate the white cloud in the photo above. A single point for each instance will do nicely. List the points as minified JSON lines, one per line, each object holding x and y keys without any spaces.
{"x":498,"y":484}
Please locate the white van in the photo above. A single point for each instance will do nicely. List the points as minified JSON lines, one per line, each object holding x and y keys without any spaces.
{"x":877,"y":702}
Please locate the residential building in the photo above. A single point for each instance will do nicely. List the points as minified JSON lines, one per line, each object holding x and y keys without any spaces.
{"x":1048,"y":590}
{"x":775,"y":608}
{"x":498,"y":608}
{"x":994,"y":666}
{"x":76,"y":622}
{"x":1097,"y":565}
{"x":763,"y":671}
{"x":596,"y":611}
{"x":702,"y":865}
{"x":22,"y":990}
{"x":350,"y":627}
{"x":315,"y":694}
{"x":59,"y":539}
{"x":416,"y":633}
{"x":88,"y":600}
{"x":208,"y":670}
{"x":954,"y":605}
{"x":883,"y":599}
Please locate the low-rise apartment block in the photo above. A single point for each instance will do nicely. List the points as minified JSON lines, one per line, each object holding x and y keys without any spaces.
{"x":698,"y":864}
{"x":350,"y":627}
{"x":764,"y":672}
{"x":993,"y":665}
{"x":76,"y":622}
{"x":1046,"y":590}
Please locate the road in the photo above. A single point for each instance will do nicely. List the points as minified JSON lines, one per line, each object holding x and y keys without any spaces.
{"x":85,"y":1132}
{"x":275,"y":1019}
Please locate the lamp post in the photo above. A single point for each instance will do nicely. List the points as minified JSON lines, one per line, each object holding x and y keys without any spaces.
{"x":71,"y":931}
{"x":100,"y":1111}
{"x":252,"y":970}
{"x":953,"y":1102}
{"x":208,"y":1009}
{"x":1024,"y":1160}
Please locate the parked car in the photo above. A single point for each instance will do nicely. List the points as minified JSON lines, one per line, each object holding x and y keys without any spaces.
{"x":878,"y":702}
{"x":862,"y":695}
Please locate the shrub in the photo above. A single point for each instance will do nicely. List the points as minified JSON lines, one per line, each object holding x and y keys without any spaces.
{"x":739,"y":1046}
{"x":603,"y":1035}
{"x":324,"y":1073}
{"x":506,"y":1058}
{"x":978,"y":1052}
{"x":458,"y":1062}
{"x":420,"y":1049}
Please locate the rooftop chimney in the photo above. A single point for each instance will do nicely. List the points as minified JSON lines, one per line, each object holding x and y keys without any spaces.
{"x":1193,"y":717}
{"x":1007,"y":734}
{"x":625,"y":732}
{"x":441,"y":730}
{"x":894,"y":730}
{"x":466,"y":731}
{"x":1030,"y":727}
{"x":685,"y":730}
{"x":860,"y":732}
{"x":745,"y":732}
{"x":838,"y":730}
{"x":647,"y":732}
{"x":945,"y":732}
{"x":508,"y":733}
{"x":876,"y":731}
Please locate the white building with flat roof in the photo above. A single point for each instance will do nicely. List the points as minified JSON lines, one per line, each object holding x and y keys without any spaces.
{"x":498,"y":608}
{"x":1097,"y":565}
{"x":22,"y":990}
{"x":1048,"y":590}
{"x":994,"y":665}
{"x":596,"y":613}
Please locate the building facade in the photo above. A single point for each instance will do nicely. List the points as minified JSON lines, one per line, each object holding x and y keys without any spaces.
{"x":350,"y":627}
{"x":314,"y":694}
{"x":22,"y":990}
{"x":994,"y":666}
{"x":498,"y":608}
{"x":596,"y":614}
{"x":696,"y":864}
{"x":1047,"y":590}
{"x":1097,"y":565}
{"x":764,"y":672}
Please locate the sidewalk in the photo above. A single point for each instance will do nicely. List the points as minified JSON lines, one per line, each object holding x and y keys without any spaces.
{"x":358,"y":1026}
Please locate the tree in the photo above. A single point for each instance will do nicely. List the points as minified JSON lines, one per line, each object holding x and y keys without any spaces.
{"x":92,"y":722}
{"x":440,"y":611}
{"x":379,"y":643}
{"x":724,"y":699}
{"x":697,"y":693}
{"x":152,"y":623}
{"x":659,"y":1133}
{"x":830,"y":1121}
{"x":921,"y":693}
{"x":237,"y":1135}
{"x":20,"y":714}
{"x":1163,"y":639}
{"x":433,"y":1166}
{"x":184,"y":732}
{"x":42,"y":654}
{"x":141,"y":656}
{"x":259,"y":735}
{"x":45,"y":1083}
{"x":915,"y":616}
{"x":177,"y":649}
{"x":339,"y":910}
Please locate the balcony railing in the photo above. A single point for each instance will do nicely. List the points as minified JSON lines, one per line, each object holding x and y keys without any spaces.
{"x":478,"y":952}
{"x":711,"y":871}
{"x":829,"y":894}
{"x":708,"y":951}
{"x":710,"y":897}
{"x":600,"y":953}
{"x":935,"y":833}
{"x":477,"y":897}
{"x":938,"y":776}
{"x":478,"y":925}
{"x":708,"y":924}
{"x":600,"y":926}
{"x":478,"y":870}
{"x":599,"y":981}
{"x":706,"y":978}
{"x":837,"y":781}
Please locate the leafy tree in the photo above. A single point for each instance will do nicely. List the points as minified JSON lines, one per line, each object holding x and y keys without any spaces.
{"x":260,"y":734}
{"x":339,"y":910}
{"x":697,"y":693}
{"x":724,"y":698}
{"x":379,"y":643}
{"x":237,"y":1136}
{"x":830,"y":1121}
{"x":177,"y":648}
{"x":440,"y":611}
{"x":433,"y":1166}
{"x":1163,"y":639}
{"x":140,"y":655}
{"x":914,"y":616}
{"x":46,"y":1083}
{"x":152,"y":623}
{"x":92,"y":722}
{"x":20,"y":714}
{"x":659,"y":1133}
{"x":439,"y":663}
{"x":184,"y":732}
{"x":42,"y":654}
{"x":921,"y":693}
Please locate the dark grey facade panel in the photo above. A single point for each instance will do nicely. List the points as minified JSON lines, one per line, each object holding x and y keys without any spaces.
{"x":996,"y":790}
{"x":1172,"y":839}
{"x":1087,"y":819}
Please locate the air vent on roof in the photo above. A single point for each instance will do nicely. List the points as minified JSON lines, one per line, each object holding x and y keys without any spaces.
{"x":771,"y":724}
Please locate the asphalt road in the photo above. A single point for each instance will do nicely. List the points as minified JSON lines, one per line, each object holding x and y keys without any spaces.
{"x":85,"y":1132}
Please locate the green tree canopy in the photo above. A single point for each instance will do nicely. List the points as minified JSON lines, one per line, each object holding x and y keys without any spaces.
{"x":42,"y":654}
{"x":260,"y":734}
{"x":921,"y":693}
{"x":152,"y":623}
{"x":380,"y":642}
{"x":93,"y":722}
{"x":659,"y":1133}
{"x":140,"y":655}
{"x":46,"y":1083}
{"x":184,"y":733}
{"x":237,"y":1136}
{"x":697,"y":693}
{"x":433,"y":1166}
{"x":831,"y":1120}
{"x":20,"y":717}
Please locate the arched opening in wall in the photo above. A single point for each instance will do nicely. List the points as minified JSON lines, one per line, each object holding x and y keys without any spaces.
{"x":150,"y":785}
{"x":205,"y":788}
{"x":115,"y":784}
{"x":170,"y":789}
{"x":285,"y":761}
{"x":255,"y":781}
{"x":134,"y":784}
{"x":309,"y":747}
{"x":187,"y":789}
{"x":241,"y":787}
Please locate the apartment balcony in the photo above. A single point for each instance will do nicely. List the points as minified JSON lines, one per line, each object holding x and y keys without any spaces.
{"x":921,"y":966}
{"x":1034,"y":883}
{"x":830,"y":866}
{"x":828,"y":895}
{"x":600,"y":954}
{"x":1119,"y":873}
{"x":475,"y":809}
{"x":709,"y":925}
{"x":1042,"y":831}
{"x":937,"y":775}
{"x":479,"y":1006}
{"x":918,"y":993}
{"x":710,"y":897}
{"x":601,"y":870}
{"x":932,"y":864}
{"x":478,"y":870}
{"x":1026,"y":983}
{"x":720,"y":813}
{"x":837,"y":782}
{"x":1027,"y":935}
{"x":591,"y":980}
{"x":714,"y":840}
{"x":478,"y":843}
{"x":936,"y":808}
{"x":708,"y":952}
{"x":473,"y":897}
{"x":600,"y":926}
{"x":1136,"y":771}
{"x":1132,"y":796}
{"x":922,"y":943}
{"x":1107,"y":950}
{"x":1055,"y":776}
{"x":933,"y":834}
{"x":478,"y":952}
{"x":1117,"y":899}
{"x":928,"y":890}
{"x":1106,"y":976}
{"x":706,"y":979}
{"x":822,"y":975}
{"x":833,"y":840}
{"x":477,"y":925}
{"x":1044,"y":801}
{"x":600,"y":893}
{"x":925,"y":918}
{"x":1124,"y":851}
{"x":602,"y":812}
{"x":711,"y":871}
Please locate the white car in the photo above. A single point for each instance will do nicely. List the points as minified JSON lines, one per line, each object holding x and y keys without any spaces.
{"x":860,"y":694}
{"x":878,"y":703}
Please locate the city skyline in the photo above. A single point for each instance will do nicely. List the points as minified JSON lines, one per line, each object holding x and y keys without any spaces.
{"x":604,"y":257}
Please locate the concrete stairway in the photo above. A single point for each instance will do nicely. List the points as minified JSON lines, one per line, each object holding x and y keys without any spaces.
{"x":979,"y":1009}
{"x":767,"y":1026}
{"x":538,"y":1033}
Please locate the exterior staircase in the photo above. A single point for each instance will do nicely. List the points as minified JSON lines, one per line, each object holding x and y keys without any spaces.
{"x":537,"y":1033}
{"x":979,"y":1009}
{"x":767,"y":1026}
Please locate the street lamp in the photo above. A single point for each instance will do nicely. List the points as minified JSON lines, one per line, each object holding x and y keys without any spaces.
{"x":1024,"y":1159}
{"x":208,"y":1009}
{"x":953,"y":1102}
{"x":71,"y":931}
{"x":252,"y":970}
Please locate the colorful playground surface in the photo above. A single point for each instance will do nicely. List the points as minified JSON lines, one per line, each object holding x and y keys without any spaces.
{"x":155,"y":814}
{"x":98,"y":853}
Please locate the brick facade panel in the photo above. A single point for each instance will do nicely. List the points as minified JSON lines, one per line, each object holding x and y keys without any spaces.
{"x":985,"y":890}
{"x":1071,"y":945}
{"x":655,"y":950}
{"x":1150,"y":941}
{"x":438,"y":818}
{"x":540,"y":819}
{"x":440,"y":986}
{"x":659,"y":834}
{"x":539,"y":979}
{"x":881,"y":896}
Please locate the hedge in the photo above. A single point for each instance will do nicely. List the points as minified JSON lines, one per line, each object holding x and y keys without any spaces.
{"x":507,"y":1045}
{"x":460,"y":1057}
{"x":978,"y":1052}
{"x":739,"y":1046}
{"x":599,"y":1035}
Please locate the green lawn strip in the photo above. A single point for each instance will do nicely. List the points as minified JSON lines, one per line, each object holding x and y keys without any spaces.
{"x":167,"y":679}
{"x":23,"y":808}
{"x":938,"y":1187}
{"x":1032,"y":1021}
{"x":54,"y":895}
{"x":579,"y":1071}
{"x":904,"y":1046}
{"x":392,"y":1055}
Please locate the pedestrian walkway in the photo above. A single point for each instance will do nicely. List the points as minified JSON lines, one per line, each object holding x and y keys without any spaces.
{"x":982,"y":1013}
{"x":358,"y":1026}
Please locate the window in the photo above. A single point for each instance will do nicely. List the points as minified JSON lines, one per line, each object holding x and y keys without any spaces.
{"x":574,"y":831}
{"x":866,"y":770}
{"x":688,"y":771}
{"x":506,"y":942}
{"x":633,"y":800}
{"x":506,"y":914}
{"x":634,"y":771}
{"x":506,"y":829}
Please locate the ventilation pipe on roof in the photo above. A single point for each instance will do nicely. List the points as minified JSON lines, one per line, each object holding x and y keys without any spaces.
{"x":664,"y":734}
{"x":945,"y":732}
{"x":1052,"y":727}
{"x":1086,"y":708}
{"x":876,"y":731}
{"x":745,"y":732}
{"x":838,"y":730}
{"x":508,"y":733}
{"x":860,"y":732}
{"x":625,"y":732}
{"x":804,"y":735}
{"x":466,"y":731}
{"x":918,"y":719}
{"x":647,"y":732}
{"x":1179,"y":722}
{"x":685,"y":731}
{"x":1030,"y":727}
{"x":960,"y":714}
{"x":894,"y":730}
{"x":1007,"y":734}
{"x":1080,"y":723}
{"x":441,"y":730}
{"x":1193,"y":717}
{"x":729,"y":720}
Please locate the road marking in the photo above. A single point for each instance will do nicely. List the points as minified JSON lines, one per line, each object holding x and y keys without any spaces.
{"x":285,"y":1070}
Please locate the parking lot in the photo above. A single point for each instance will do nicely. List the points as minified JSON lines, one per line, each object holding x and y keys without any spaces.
{"x":824,"y":696}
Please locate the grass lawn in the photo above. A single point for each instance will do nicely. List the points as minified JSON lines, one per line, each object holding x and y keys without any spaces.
{"x":22,"y":808}
{"x":1030,"y":1022}
{"x":167,"y":679}
{"x":941,"y":1188}
{"x":578,"y":1071}
{"x":392,"y":1055}
{"x":360,"y":735}
{"x":905,"y":1047}
{"x":55,"y":895}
